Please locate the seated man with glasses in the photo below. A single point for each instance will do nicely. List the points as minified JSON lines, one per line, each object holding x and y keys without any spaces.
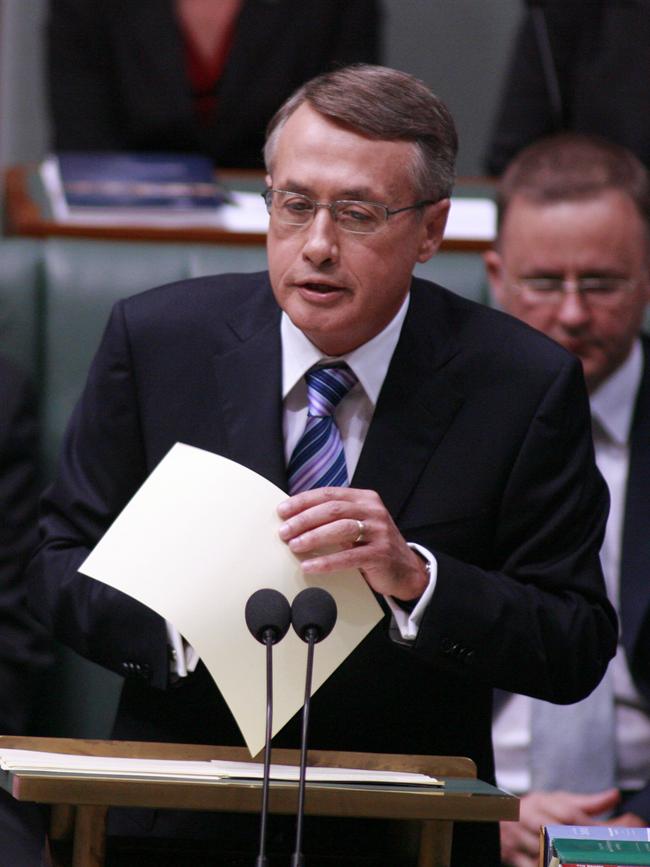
{"x":421,"y":439}
{"x":571,"y":259}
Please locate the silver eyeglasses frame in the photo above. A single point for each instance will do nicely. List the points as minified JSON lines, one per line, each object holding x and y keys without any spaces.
{"x":382,"y":211}
{"x":597,"y":291}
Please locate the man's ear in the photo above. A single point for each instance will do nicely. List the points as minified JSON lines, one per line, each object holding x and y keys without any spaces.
{"x":268,"y":181}
{"x":434,"y":220}
{"x":494,"y":271}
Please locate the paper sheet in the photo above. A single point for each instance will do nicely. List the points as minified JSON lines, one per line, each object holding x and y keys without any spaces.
{"x":197,"y":539}
{"x":65,"y":764}
{"x":471,"y":219}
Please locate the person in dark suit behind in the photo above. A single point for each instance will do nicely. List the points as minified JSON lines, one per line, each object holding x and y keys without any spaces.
{"x":192,"y":75}
{"x":474,"y":508}
{"x":579,"y":65}
{"x":23,"y":649}
{"x":571,"y":259}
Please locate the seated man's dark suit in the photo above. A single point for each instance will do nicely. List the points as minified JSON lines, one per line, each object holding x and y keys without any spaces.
{"x":480,"y":448}
{"x":635,"y":563}
{"x":23,"y":651}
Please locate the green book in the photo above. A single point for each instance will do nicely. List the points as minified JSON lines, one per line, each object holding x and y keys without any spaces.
{"x":627,"y":852}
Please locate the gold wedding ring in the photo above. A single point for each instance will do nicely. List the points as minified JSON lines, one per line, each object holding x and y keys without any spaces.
{"x":362,"y":528}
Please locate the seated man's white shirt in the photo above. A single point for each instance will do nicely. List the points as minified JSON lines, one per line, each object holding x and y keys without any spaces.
{"x":612,"y":408}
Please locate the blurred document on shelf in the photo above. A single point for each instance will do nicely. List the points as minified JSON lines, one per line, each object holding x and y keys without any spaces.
{"x":471,"y":218}
{"x":145,"y":190}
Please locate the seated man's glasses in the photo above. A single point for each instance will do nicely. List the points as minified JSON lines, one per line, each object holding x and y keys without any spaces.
{"x":595,"y":291}
{"x":362,"y":218}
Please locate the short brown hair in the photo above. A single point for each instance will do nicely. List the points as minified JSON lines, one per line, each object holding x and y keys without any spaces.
{"x":573,"y":166}
{"x":387,"y":104}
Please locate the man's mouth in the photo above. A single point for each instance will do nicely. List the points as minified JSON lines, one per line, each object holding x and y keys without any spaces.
{"x":321,"y":288}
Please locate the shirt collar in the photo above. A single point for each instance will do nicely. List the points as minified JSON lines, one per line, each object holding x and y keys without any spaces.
{"x":369,"y":361}
{"x":612,"y":403}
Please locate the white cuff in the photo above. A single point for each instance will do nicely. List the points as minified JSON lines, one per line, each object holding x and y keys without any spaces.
{"x":407,"y":622}
{"x":184,"y":658}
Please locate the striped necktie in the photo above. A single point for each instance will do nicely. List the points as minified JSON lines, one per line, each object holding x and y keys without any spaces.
{"x":318,"y":459}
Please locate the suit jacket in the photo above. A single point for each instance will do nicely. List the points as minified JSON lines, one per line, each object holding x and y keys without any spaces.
{"x":635,"y":561}
{"x":635,"y":565}
{"x":480,"y":449}
{"x":116,"y":72}
{"x":601,"y":55}
{"x":23,"y":651}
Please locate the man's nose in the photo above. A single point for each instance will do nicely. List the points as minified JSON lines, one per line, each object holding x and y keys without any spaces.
{"x":321,"y":241}
{"x":573,"y":309}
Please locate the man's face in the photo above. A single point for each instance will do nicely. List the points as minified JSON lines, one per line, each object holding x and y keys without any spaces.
{"x":340,"y":288}
{"x":598,"y":237}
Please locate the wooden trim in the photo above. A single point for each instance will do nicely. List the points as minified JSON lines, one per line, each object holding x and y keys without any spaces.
{"x":23,"y":217}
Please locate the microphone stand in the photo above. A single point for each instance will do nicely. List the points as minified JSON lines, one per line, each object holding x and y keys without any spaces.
{"x":311,"y":637}
{"x":269,"y":636}
{"x":268,"y":616}
{"x":313,"y":615}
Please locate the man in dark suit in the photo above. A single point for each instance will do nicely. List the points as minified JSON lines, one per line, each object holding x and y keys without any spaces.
{"x":177,"y":75}
{"x":475,"y":511}
{"x":572,"y":259}
{"x":23,"y":653}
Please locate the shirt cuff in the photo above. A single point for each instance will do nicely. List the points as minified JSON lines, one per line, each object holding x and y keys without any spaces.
{"x":183,"y":657}
{"x":408,"y":622}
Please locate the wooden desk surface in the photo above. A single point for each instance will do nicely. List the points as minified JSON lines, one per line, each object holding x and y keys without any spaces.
{"x":25,"y":217}
{"x":463,"y":797}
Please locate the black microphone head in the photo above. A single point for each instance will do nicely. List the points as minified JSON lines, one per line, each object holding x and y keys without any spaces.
{"x":268,"y":609}
{"x":313,"y":609}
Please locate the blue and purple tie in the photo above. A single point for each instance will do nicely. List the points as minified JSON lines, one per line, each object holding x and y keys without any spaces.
{"x":318,"y":459}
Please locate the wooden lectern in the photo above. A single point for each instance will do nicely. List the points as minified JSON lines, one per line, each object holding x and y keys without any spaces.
{"x":80,"y":804}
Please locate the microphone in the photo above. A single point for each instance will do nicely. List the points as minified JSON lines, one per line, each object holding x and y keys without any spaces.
{"x":268,"y":617}
{"x":313,"y":615}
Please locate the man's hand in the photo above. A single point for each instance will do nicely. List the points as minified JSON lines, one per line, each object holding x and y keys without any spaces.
{"x":520,"y":840}
{"x":322,"y":527}
{"x":628,"y":820}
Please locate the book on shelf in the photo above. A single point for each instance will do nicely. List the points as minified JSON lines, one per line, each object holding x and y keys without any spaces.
{"x":109,"y":187}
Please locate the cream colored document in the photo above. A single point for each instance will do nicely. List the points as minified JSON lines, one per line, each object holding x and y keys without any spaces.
{"x":214,"y":770}
{"x":195,"y":541}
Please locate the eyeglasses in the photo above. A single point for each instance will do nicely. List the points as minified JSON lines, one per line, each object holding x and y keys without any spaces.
{"x":595,"y":291}
{"x":361,"y":218}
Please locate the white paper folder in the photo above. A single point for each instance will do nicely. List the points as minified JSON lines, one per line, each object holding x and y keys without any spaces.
{"x":195,"y":541}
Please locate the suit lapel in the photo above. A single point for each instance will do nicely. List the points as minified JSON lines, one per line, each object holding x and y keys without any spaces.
{"x":635,"y":556}
{"x":416,"y":405}
{"x":250,"y":387}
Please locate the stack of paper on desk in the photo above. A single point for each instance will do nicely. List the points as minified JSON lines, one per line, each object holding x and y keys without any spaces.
{"x":197,"y":539}
{"x":64,"y":764}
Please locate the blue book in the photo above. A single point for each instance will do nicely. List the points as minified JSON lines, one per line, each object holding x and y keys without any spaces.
{"x":141,"y":181}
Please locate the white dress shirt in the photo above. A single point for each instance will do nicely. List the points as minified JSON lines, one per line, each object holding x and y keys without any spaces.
{"x":369,"y":363}
{"x":612,"y":410}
